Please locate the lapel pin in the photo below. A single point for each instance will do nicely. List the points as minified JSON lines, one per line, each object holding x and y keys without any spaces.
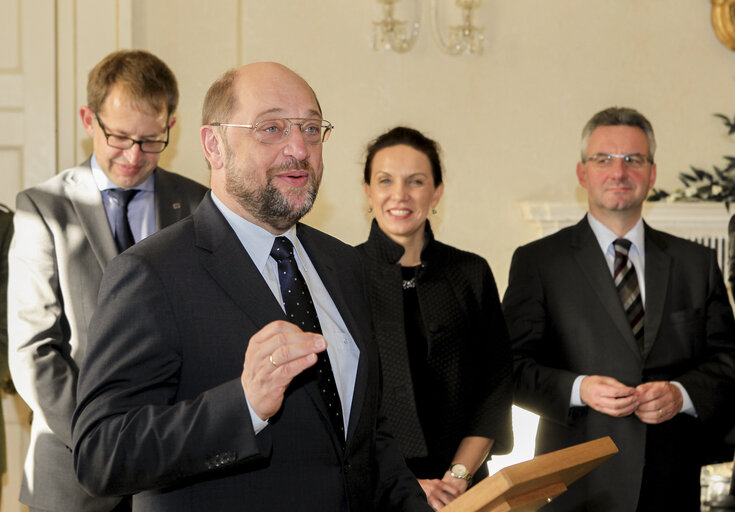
{"x":176,"y":206}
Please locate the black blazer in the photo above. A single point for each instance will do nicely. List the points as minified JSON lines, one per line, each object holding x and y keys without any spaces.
{"x":468,"y":349}
{"x":565,"y":319}
{"x":161,"y":407}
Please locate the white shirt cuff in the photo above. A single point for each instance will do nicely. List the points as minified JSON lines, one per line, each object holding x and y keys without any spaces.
{"x":687,"y":407}
{"x":258,"y":424}
{"x":575,"y":400}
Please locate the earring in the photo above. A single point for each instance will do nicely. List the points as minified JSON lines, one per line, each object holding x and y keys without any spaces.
{"x":370,"y":209}
{"x":433,"y":210}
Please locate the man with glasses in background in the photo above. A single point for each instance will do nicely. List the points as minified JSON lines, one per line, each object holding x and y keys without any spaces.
{"x":620,"y":330}
{"x":67,"y":230}
{"x":231,"y":361}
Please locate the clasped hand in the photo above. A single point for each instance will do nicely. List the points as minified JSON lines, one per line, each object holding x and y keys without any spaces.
{"x":275,"y":355}
{"x":651,"y":402}
{"x":439,"y":493}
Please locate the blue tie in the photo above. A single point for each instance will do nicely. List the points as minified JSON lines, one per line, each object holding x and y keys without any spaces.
{"x":300,"y":311}
{"x":123,"y":234}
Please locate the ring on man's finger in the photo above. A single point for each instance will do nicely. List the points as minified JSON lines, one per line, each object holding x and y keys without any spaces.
{"x":275,"y":365}
{"x":660,"y":413}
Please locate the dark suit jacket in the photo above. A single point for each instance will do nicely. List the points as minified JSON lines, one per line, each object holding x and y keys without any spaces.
{"x":468,"y":354}
{"x":161,"y":407}
{"x":62,"y":244}
{"x":565,"y":319}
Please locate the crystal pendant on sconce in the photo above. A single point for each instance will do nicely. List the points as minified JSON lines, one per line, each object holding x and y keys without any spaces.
{"x":392,"y":34}
{"x":464,"y":38}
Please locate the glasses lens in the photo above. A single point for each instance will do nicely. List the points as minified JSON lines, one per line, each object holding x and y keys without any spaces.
{"x":271,"y":131}
{"x":635,"y":160}
{"x":312,"y":130}
{"x":153,"y":146}
{"x":118,"y":142}
{"x":601,"y":159}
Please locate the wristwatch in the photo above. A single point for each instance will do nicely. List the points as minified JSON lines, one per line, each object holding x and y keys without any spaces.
{"x":459,"y":470}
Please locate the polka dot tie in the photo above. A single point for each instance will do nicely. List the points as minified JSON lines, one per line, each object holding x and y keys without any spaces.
{"x":123,"y":234}
{"x":626,"y":281}
{"x":300,"y":310}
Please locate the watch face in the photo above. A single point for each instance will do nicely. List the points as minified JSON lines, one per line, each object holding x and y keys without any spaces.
{"x":459,"y":470}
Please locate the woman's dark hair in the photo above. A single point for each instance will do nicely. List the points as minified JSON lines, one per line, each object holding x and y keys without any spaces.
{"x":409,"y":137}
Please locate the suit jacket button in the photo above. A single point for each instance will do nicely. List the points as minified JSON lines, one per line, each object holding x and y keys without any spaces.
{"x":347,"y":468}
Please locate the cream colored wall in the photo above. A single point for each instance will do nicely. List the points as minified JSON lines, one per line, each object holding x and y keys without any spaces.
{"x":508,"y":121}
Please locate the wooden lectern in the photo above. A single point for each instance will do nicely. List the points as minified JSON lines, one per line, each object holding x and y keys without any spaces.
{"x":527,"y":486}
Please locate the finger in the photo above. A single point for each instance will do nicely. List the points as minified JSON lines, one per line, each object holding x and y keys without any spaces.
{"x":652,"y":390}
{"x":653,"y":417}
{"x":615,"y":406}
{"x":621,"y":403}
{"x":295,"y":351}
{"x":449,"y":489}
{"x":272,"y":329}
{"x":266,"y":340}
{"x":615,"y":386}
{"x":618,"y":407}
{"x":443,"y":497}
{"x":619,"y":413}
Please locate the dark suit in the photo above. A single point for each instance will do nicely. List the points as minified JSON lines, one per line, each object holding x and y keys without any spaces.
{"x":62,"y":245}
{"x":162,"y":408}
{"x":565,"y":319}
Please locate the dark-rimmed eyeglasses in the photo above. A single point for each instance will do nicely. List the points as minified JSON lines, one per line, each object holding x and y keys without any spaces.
{"x":632,"y":160}
{"x":273,"y":131}
{"x":123,"y":142}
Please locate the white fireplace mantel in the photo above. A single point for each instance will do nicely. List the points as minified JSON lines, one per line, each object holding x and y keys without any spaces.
{"x":702,"y":222}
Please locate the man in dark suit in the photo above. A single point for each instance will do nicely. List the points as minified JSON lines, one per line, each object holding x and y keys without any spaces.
{"x":199,"y":393}
{"x":622,"y":330}
{"x":67,"y":229}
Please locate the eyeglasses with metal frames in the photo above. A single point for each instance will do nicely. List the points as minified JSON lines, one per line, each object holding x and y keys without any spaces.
{"x":632,"y":160}
{"x":273,"y":131}
{"x":123,"y":142}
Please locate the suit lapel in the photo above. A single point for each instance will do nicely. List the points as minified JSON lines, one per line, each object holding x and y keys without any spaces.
{"x":594,"y":268}
{"x":86,"y":200}
{"x":327,"y":268}
{"x":657,"y":268}
{"x":168,"y":199}
{"x":229,"y":264}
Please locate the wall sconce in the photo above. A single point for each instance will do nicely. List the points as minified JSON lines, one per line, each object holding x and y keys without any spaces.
{"x":400,"y":36}
{"x":392,"y":34}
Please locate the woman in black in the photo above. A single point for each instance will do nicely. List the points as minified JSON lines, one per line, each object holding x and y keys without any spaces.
{"x":443,"y":343}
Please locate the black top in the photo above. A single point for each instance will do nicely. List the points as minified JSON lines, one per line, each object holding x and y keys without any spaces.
{"x":444,"y":350}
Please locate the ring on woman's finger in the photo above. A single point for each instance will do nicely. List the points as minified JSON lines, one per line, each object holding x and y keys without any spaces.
{"x":275,"y":365}
{"x":660,"y":413}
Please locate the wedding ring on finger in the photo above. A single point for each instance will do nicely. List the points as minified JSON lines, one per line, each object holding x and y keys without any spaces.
{"x":660,"y":412}
{"x":275,"y":365}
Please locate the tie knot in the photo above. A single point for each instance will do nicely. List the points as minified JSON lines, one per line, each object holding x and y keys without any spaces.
{"x":282,"y":248}
{"x":622,"y":245}
{"x":122,"y":196}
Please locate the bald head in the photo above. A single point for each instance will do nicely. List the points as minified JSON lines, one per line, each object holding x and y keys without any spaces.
{"x":246,"y":84}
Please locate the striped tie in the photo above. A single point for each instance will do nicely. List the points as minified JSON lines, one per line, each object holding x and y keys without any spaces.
{"x":626,"y":281}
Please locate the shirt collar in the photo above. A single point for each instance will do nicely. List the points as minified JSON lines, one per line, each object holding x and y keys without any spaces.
{"x":104,"y":183}
{"x":256,"y":240}
{"x":605,"y":237}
